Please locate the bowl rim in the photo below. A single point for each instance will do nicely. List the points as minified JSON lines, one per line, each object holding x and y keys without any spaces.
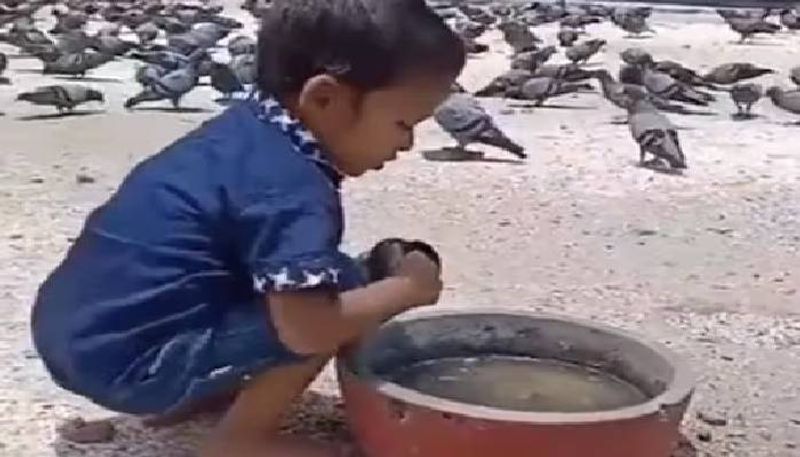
{"x":677,"y":392}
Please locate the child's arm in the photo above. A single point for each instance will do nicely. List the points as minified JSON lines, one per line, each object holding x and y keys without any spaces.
{"x":319,"y":322}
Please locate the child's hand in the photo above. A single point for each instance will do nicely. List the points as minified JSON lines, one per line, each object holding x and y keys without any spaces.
{"x":424,"y":275}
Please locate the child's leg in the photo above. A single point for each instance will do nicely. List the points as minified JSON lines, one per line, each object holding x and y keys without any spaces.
{"x":250,"y":427}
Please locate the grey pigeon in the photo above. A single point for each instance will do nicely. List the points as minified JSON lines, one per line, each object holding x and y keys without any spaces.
{"x":634,"y":24}
{"x":622,"y":95}
{"x":3,"y":65}
{"x":579,"y":21}
{"x":631,"y":74}
{"x":111,"y":45}
{"x":148,"y":74}
{"x":468,"y":29}
{"x":531,"y":60}
{"x":62,"y":97}
{"x":147,"y":33}
{"x":66,"y":21}
{"x":794,"y":74}
{"x":540,"y":89}
{"x":744,"y":96}
{"x":683,"y":74}
{"x":748,"y":27}
{"x":242,"y":44}
{"x":76,"y":64}
{"x":224,"y":80}
{"x":506,"y":84}
{"x":731,"y":73}
{"x":519,"y":36}
{"x":567,"y":36}
{"x":463,"y":117}
{"x":667,"y":87}
{"x":245,"y":68}
{"x":172,"y":86}
{"x":790,"y":19}
{"x":584,"y":51}
{"x":786,"y":100}
{"x":655,"y":134}
{"x":566,"y":72}
{"x":73,"y":42}
{"x":636,"y":56}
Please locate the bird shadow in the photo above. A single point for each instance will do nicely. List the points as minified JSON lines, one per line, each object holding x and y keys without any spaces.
{"x":738,"y":117}
{"x":660,"y":167}
{"x":531,"y":106}
{"x":467,"y":155}
{"x":169,"y":109}
{"x":756,"y":43}
{"x":315,"y":415}
{"x":45,"y":117}
{"x":89,"y":79}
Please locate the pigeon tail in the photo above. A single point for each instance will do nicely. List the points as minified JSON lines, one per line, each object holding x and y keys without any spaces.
{"x":498,"y":139}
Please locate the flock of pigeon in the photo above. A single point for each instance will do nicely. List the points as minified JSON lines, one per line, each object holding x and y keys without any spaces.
{"x":177,"y":44}
{"x":174,"y":42}
{"x":645,"y":87}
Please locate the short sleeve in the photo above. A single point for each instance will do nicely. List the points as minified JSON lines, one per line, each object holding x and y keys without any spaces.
{"x":291,"y":242}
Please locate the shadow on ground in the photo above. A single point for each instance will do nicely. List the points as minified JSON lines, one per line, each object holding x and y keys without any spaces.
{"x":316,"y":415}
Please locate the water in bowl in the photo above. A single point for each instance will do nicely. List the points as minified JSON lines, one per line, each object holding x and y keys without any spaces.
{"x":519,"y":384}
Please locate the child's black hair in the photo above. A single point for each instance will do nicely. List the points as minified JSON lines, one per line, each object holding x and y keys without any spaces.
{"x":369,"y":44}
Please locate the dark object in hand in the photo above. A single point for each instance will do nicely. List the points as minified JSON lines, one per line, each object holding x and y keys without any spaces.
{"x":382,"y":260}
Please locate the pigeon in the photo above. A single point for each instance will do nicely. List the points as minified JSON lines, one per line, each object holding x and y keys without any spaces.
{"x":622,"y":95}
{"x":519,"y":36}
{"x":579,"y":21}
{"x":631,"y":74}
{"x":242,"y":44}
{"x":731,"y":73}
{"x":785,"y":100}
{"x":567,"y":36}
{"x":531,"y":60}
{"x":111,"y":44}
{"x":790,"y":19}
{"x":62,"y":97}
{"x":3,"y":65}
{"x":744,"y":96}
{"x":167,"y":59}
{"x":747,"y":27}
{"x":73,"y":42}
{"x":171,"y":86}
{"x":148,"y":74}
{"x":795,"y":75}
{"x":567,"y":72}
{"x":224,"y":80}
{"x":76,"y":64}
{"x":636,"y":56}
{"x":67,"y":21}
{"x":655,"y":134}
{"x":634,"y":24}
{"x":509,"y":82}
{"x":463,"y":117}
{"x":473,"y":47}
{"x":245,"y":68}
{"x":667,"y":87}
{"x":146,"y":33}
{"x":539,"y":89}
{"x":584,"y":51}
{"x":683,"y":74}
{"x":468,"y":29}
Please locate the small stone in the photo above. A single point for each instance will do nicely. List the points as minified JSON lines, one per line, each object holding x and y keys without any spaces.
{"x":15,"y":236}
{"x":791,"y":446}
{"x":646,"y":232}
{"x":77,"y":430}
{"x":704,"y":436}
{"x":727,"y":358}
{"x":712,"y":419}
{"x":37,"y":180}
{"x":84,"y":179}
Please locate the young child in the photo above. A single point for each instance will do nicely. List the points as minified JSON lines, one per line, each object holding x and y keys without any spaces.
{"x":215,"y":269}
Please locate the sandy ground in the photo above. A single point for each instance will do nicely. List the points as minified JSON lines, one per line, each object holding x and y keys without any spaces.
{"x":707,"y":263}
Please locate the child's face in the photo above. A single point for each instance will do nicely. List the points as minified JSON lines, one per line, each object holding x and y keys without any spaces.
{"x":363,"y":131}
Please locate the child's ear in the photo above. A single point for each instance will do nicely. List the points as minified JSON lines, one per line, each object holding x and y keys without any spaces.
{"x":325,"y":93}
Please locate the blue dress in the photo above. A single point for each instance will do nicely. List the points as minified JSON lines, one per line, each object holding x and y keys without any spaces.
{"x":161,"y":300}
